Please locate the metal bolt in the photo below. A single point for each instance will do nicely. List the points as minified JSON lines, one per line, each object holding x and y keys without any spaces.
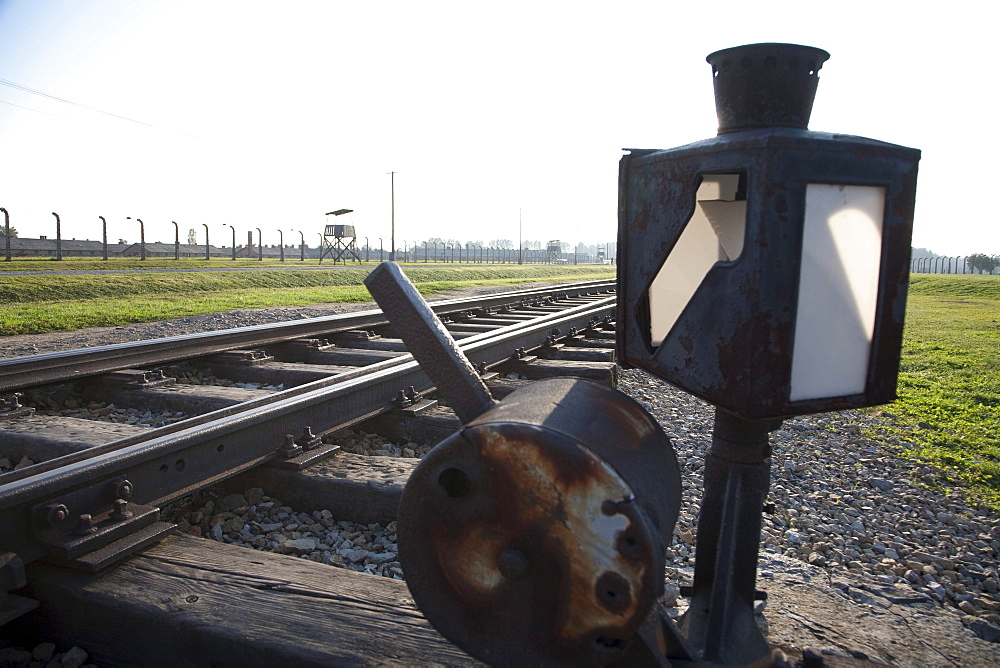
{"x":11,"y":401}
{"x":613,"y":592}
{"x":55,"y":514}
{"x":401,"y":399}
{"x":412,"y":394}
{"x":290,"y":448}
{"x":308,"y":441}
{"x":84,"y":526}
{"x":120,"y":489}
{"x":121,"y":511}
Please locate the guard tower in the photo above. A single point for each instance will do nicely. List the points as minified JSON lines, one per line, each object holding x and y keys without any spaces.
{"x":339,"y":240}
{"x":554,"y":250}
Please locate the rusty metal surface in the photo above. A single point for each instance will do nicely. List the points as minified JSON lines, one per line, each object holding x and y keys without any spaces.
{"x":429,"y":342}
{"x":732,"y":343}
{"x":537,"y":534}
{"x":765,"y":85}
{"x":719,"y":625}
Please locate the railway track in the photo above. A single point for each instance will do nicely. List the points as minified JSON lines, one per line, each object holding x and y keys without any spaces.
{"x":92,"y":492}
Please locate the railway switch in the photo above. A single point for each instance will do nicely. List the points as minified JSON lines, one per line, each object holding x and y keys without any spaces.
{"x":763,"y":270}
{"x":537,"y":533}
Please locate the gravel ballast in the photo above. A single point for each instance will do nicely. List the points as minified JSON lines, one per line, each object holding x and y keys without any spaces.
{"x":843,"y":502}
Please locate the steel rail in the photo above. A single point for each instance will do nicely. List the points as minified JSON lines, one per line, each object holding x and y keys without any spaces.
{"x":553,"y":320}
{"x":33,"y":370}
{"x":224,"y":443}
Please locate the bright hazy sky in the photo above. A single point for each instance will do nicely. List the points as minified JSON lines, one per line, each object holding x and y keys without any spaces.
{"x":269,"y":114}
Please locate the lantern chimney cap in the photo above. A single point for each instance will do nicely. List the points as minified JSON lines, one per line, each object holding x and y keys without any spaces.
{"x":765,"y":85}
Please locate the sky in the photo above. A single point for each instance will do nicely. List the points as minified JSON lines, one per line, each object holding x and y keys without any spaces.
{"x":492,"y":115}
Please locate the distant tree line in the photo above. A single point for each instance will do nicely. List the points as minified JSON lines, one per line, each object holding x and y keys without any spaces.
{"x":982,"y":263}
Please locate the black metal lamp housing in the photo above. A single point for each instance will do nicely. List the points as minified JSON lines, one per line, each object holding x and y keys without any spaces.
{"x":765,"y":270}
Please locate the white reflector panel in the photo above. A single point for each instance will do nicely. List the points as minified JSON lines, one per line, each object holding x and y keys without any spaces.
{"x":714,"y":233}
{"x":838,"y":290}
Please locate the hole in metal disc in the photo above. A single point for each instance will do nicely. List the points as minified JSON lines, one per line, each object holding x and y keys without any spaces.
{"x":613,"y":592}
{"x":455,"y":483}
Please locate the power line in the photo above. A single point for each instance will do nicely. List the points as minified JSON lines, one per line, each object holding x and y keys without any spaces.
{"x":37,"y":111}
{"x":33,"y":91}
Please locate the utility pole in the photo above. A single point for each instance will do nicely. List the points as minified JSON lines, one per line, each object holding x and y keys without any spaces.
{"x":392,"y":240}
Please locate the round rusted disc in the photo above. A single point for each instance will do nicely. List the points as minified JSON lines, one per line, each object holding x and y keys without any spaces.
{"x":522,"y":545}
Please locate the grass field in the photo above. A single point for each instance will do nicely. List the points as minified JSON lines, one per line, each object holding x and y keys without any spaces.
{"x":95,"y":263}
{"x":33,"y":304}
{"x":948,"y":411}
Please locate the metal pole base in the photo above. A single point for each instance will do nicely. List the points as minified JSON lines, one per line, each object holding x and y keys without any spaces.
{"x":719,"y":624}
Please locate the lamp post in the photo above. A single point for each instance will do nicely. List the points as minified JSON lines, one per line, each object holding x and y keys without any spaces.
{"x":142,"y":237}
{"x":208,"y":255}
{"x":302,"y":246}
{"x":366,"y":249}
{"x":6,"y":221}
{"x":260,"y":245}
{"x":104,"y":238}
{"x":381,"y":252}
{"x":812,"y":231}
{"x":177,"y":241}
{"x":234,"y":240}
{"x":425,"y":253}
{"x":58,"y":236}
{"x":281,"y":244}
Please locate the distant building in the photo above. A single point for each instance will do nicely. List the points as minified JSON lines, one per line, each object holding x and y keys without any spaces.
{"x":43,"y":247}
{"x":157,"y":249}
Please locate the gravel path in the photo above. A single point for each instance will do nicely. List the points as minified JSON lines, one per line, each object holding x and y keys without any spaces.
{"x":844,"y":502}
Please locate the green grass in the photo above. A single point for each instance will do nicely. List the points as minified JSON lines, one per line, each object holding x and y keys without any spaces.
{"x":33,"y":304}
{"x":949,"y":382}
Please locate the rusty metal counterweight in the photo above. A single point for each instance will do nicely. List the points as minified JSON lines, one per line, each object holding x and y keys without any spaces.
{"x":538,"y":533}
